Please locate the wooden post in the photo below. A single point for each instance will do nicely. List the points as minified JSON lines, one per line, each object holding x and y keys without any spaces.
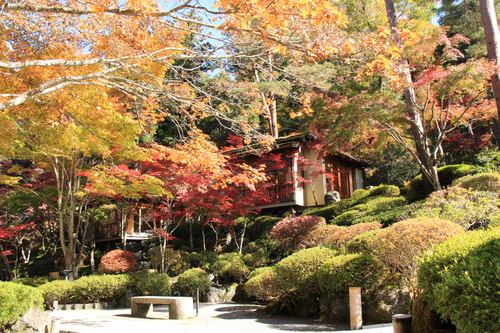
{"x":401,"y":323}
{"x":55,"y":325}
{"x":355,"y":308}
{"x":55,"y":305}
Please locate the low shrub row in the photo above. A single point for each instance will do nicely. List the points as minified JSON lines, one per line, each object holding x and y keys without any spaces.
{"x":104,"y":288}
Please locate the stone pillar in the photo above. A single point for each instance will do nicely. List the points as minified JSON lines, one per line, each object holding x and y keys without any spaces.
{"x":356,"y":314}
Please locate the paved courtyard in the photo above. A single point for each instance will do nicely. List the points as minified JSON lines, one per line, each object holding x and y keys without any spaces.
{"x":220,"y":318}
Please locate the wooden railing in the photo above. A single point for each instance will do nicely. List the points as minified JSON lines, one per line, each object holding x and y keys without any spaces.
{"x":282,"y":192}
{"x":107,"y":230}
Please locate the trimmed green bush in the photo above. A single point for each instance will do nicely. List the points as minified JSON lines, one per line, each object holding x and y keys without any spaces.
{"x":337,"y":208}
{"x":230,"y":267}
{"x":34,"y":281}
{"x":339,"y":273}
{"x":297,"y":271}
{"x":384,"y":190}
{"x":363,"y":243}
{"x":191,"y":279}
{"x":347,"y":217}
{"x":203,"y":259}
{"x":460,"y":278}
{"x":447,"y":175}
{"x":157,"y":284}
{"x":58,"y":290}
{"x":15,"y":300}
{"x":383,"y":209}
{"x":489,"y":182}
{"x":358,"y":192}
{"x":256,"y":259}
{"x":100,"y":288}
{"x":471,"y":210}
{"x":264,"y":284}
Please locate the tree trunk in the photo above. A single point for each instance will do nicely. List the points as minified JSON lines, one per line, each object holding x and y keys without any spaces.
{"x":243,"y":234}
{"x":492,"y":34}
{"x":5,"y":272}
{"x":417,"y":127}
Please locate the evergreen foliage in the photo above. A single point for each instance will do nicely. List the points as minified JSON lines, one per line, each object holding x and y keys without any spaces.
{"x":192,"y":279}
{"x":447,"y":175}
{"x":460,"y":280}
{"x":15,"y":300}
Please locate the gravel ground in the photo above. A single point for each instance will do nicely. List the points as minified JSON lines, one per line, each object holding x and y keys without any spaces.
{"x":220,"y":318}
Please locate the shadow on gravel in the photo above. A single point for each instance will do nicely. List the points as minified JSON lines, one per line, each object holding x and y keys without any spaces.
{"x":283,"y":323}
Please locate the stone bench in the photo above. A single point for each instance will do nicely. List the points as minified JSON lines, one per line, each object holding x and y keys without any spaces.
{"x":179,"y":307}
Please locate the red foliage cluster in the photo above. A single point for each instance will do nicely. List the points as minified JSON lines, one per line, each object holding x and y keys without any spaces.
{"x":292,"y":233}
{"x":467,"y":143}
{"x":118,"y":261}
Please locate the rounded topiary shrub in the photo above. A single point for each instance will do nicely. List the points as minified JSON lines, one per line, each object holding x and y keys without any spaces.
{"x":342,"y":236}
{"x":400,"y":245}
{"x":339,"y":273}
{"x":156,"y":284}
{"x":15,"y":300}
{"x":489,"y":182}
{"x":363,"y":243}
{"x":192,"y":279}
{"x":296,"y":272}
{"x":263,"y":284}
{"x":357,"y":192}
{"x":58,"y":290}
{"x":460,"y":279}
{"x":291,"y":233}
{"x":385,"y":190}
{"x":346,"y":217}
{"x":320,"y":236}
{"x":230,"y":267}
{"x":118,"y":261}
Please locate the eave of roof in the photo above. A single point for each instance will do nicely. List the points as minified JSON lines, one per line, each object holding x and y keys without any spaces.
{"x":286,"y":142}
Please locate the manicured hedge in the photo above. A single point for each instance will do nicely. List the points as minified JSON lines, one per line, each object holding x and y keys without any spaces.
{"x":297,"y":272}
{"x":333,"y":210}
{"x":58,"y":290}
{"x":264,"y":284}
{"x":447,"y":175}
{"x":489,"y":182}
{"x":460,"y":280}
{"x":156,"y":284}
{"x":230,"y":267}
{"x":100,"y":288}
{"x":192,"y":279}
{"x":104,"y":288}
{"x":15,"y":300}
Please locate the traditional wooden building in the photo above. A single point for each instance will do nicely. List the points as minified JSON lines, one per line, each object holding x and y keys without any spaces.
{"x":128,"y":222}
{"x":303,"y":178}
